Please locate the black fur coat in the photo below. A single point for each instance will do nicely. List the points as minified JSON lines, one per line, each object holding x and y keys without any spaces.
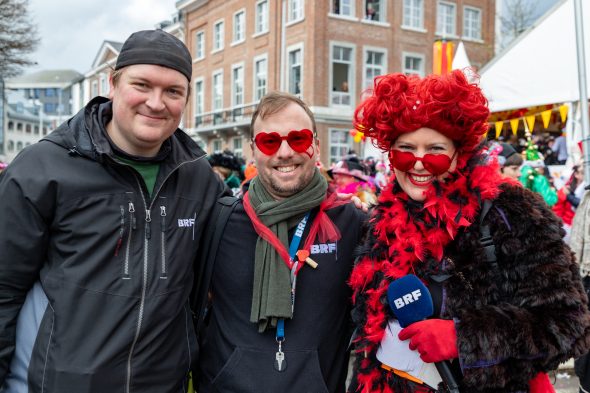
{"x":524,"y":315}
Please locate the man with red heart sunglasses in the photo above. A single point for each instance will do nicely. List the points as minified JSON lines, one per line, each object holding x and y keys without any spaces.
{"x":280,"y":312}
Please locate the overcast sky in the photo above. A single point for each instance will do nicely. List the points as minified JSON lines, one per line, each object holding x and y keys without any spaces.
{"x":72,"y":31}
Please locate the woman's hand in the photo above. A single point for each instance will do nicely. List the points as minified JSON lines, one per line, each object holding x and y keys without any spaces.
{"x":355,"y":200}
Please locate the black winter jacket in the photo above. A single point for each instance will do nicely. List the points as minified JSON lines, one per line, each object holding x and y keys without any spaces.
{"x":115,"y":265}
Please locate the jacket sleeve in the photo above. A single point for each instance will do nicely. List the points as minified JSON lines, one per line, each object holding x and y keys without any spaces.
{"x":530,"y":312}
{"x":23,"y":242}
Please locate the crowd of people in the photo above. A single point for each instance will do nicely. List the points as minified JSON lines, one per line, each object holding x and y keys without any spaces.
{"x":130,"y":261}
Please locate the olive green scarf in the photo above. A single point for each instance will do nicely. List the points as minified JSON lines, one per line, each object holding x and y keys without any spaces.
{"x":271,"y":295}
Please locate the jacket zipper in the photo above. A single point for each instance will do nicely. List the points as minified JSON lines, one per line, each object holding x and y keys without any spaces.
{"x":164,"y":275}
{"x":145,"y":260}
{"x":121,"y":231}
{"x":132,"y":227}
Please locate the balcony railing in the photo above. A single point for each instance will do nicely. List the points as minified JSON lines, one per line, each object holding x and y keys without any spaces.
{"x":223,"y":117}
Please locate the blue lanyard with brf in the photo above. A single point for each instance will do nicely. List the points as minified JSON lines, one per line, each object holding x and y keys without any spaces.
{"x":280,"y":363}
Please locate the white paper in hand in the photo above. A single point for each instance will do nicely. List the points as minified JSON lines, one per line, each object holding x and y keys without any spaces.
{"x":397,"y":354}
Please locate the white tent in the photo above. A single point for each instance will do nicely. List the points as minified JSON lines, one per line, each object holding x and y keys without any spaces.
{"x":540,"y":67}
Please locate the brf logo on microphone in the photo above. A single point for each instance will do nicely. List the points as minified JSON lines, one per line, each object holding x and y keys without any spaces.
{"x":407,"y":299}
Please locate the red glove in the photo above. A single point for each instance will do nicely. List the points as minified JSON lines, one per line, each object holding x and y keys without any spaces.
{"x":435,"y":339}
{"x":541,"y":384}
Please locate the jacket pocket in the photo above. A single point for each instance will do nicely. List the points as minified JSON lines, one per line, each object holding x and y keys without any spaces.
{"x":252,"y":371}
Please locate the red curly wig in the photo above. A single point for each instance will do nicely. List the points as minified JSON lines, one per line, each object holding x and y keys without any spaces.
{"x":448,"y":104}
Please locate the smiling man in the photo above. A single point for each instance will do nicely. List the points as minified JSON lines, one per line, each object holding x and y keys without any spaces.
{"x":279,"y":323}
{"x":101,"y":224}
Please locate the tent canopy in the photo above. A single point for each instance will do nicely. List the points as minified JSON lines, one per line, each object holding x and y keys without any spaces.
{"x":540,"y":67}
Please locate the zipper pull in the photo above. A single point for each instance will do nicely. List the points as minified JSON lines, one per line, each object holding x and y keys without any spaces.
{"x":163,"y":215}
{"x":148,"y":219}
{"x":131,"y":211}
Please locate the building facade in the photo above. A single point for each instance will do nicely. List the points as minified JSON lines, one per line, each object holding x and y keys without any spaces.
{"x":326,"y":52}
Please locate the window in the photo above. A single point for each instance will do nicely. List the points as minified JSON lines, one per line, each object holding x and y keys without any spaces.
{"x":49,"y":93}
{"x":340,"y":144}
{"x":445,"y":20}
{"x":217,"y":96}
{"x":104,"y":90}
{"x":260,"y":77}
{"x":239,"y":26}
{"x":10,"y":125}
{"x":10,"y":146}
{"x":342,"y":74}
{"x":295,"y":71}
{"x":49,"y":107}
{"x":94,"y":88}
{"x":238,"y":90}
{"x":472,"y":23}
{"x":261,"y":17}
{"x":28,"y":128}
{"x":413,"y":64}
{"x":217,"y":146}
{"x":199,"y":102}
{"x":36,"y":130}
{"x":295,"y":10}
{"x":343,"y":7}
{"x":19,"y":146}
{"x":375,"y":10}
{"x":237,"y":146}
{"x":19,"y":126}
{"x":375,"y":65}
{"x":414,"y":14}
{"x":45,"y":130}
{"x":200,"y":45}
{"x":218,"y":36}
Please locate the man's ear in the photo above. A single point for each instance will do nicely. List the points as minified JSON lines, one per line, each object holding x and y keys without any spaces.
{"x":111,"y":86}
{"x":317,"y":149}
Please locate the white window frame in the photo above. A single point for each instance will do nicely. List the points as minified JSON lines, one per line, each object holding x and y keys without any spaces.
{"x":409,"y":19}
{"x":234,"y":93}
{"x":291,"y":49}
{"x":295,"y":11}
{"x":344,"y":147}
{"x":382,"y":12}
{"x":261,"y":19}
{"x":350,"y":79}
{"x":440,"y":23}
{"x":215,"y":142}
{"x":414,"y":55}
{"x":94,"y":88}
{"x":351,"y":5}
{"x":199,"y":102}
{"x":199,"y":45}
{"x":214,"y":96}
{"x":467,"y":24}
{"x":255,"y":88}
{"x":104,"y":86}
{"x":366,"y":50}
{"x":218,"y":42}
{"x":238,"y":151}
{"x":239,"y":27}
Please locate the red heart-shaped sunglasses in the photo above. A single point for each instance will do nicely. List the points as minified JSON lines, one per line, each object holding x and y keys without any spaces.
{"x":436,"y":164}
{"x":270,"y":142}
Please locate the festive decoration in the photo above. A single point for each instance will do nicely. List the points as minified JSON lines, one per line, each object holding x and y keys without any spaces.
{"x":530,"y":121}
{"x":442,"y":57}
{"x":514,"y":125}
{"x":546,"y":116}
{"x":499,"y":126}
{"x":357,"y":135}
{"x":563,"y":112}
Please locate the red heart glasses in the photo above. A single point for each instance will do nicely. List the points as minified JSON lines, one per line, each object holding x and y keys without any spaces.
{"x":270,"y":142}
{"x":436,"y":164}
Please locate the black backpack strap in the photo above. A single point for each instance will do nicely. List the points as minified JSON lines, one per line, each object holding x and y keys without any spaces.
{"x":205,"y":261}
{"x":486,"y":241}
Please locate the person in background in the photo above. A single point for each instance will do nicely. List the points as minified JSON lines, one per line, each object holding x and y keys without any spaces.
{"x":533,"y":174}
{"x":100,"y":228}
{"x":509,"y":304}
{"x":569,"y":197}
{"x":560,"y":149}
{"x":350,"y":178}
{"x":228,"y":167}
{"x":278,"y":322}
{"x":510,"y":161}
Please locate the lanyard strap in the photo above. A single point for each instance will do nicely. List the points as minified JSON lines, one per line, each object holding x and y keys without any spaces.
{"x":293,"y":247}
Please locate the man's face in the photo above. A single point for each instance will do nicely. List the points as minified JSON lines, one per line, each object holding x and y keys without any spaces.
{"x":148,"y":101}
{"x":285,"y":172}
{"x":512,"y":171}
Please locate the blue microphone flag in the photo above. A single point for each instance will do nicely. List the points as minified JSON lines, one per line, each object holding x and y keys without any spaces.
{"x":409,"y":300}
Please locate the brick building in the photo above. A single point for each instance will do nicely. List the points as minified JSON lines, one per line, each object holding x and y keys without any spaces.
{"x":325,"y":51}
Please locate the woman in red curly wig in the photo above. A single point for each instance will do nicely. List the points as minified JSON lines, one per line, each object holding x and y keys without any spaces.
{"x":508,"y":303}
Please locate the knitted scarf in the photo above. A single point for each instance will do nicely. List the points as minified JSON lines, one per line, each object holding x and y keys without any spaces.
{"x":271,"y":295}
{"x":406,"y":235}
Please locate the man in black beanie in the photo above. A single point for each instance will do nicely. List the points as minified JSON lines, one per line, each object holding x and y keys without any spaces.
{"x":100,"y":225}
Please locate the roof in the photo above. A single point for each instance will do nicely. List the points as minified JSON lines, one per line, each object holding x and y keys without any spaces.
{"x":44,"y":78}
